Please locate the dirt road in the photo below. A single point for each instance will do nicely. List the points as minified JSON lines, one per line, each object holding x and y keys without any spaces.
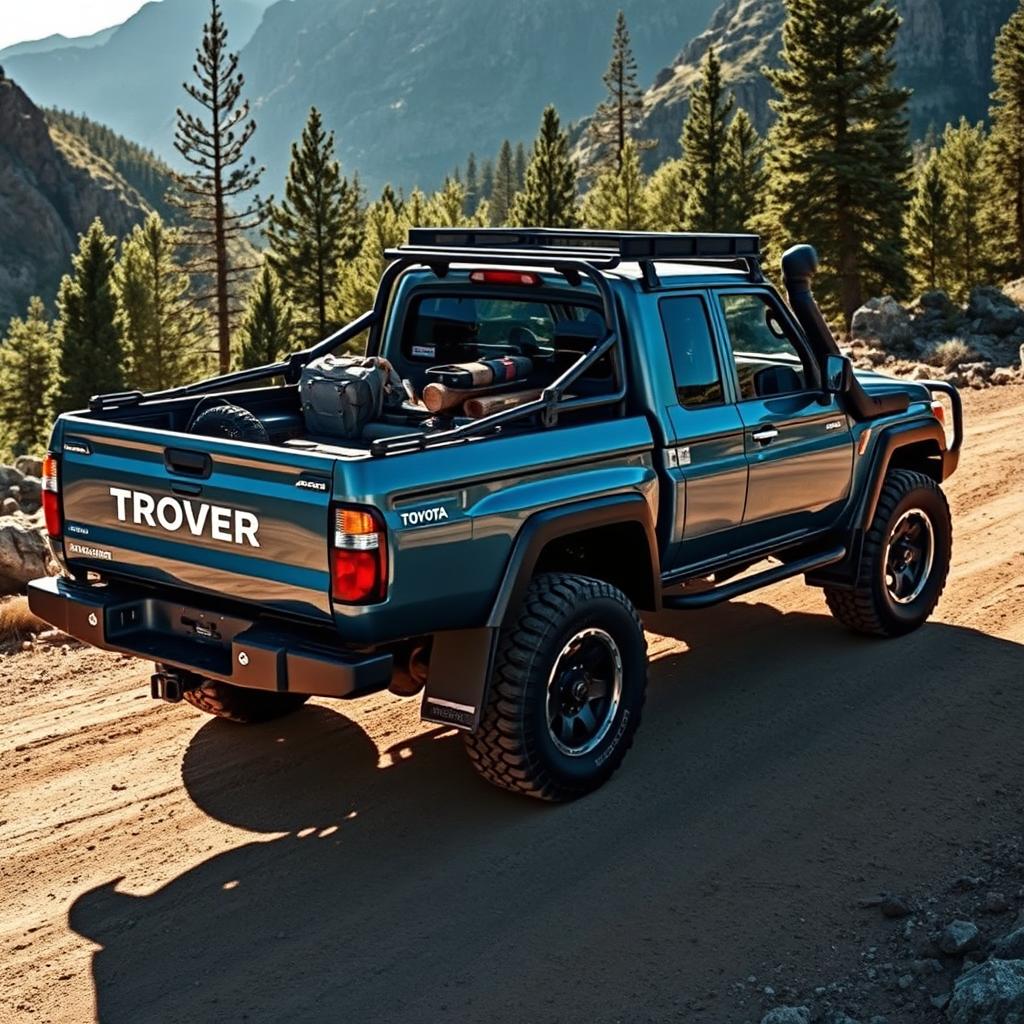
{"x":346,"y":865}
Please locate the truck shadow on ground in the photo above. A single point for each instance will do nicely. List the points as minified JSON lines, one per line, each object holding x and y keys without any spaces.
{"x":780,"y":758}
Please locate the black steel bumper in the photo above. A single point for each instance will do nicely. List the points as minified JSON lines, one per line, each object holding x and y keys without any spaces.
{"x":270,"y":655}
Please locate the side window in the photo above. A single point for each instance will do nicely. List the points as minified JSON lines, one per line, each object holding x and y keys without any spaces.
{"x":768,"y":361}
{"x":692,"y":351}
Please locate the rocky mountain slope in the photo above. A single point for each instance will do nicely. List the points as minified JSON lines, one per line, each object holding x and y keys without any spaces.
{"x":132,"y":81}
{"x":410,"y":88}
{"x":51,"y":187}
{"x":944,"y":53}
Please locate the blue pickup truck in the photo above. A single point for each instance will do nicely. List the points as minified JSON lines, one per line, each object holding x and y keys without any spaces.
{"x":677,"y":435}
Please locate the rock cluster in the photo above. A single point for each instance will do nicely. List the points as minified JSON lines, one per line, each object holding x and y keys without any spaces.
{"x":24,"y":554}
{"x":977,"y":345}
{"x":954,"y":952}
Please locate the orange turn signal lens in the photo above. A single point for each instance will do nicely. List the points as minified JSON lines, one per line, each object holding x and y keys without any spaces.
{"x":939,"y":412}
{"x":50,"y":485}
{"x":351,"y":521}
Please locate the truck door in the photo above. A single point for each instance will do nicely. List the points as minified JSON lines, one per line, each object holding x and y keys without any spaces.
{"x":706,"y":458}
{"x":797,"y":438}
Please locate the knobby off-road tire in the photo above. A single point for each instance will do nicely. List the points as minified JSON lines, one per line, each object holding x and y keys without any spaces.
{"x":238,"y":704}
{"x":912,"y":532}
{"x":566,"y":692}
{"x":232,"y":422}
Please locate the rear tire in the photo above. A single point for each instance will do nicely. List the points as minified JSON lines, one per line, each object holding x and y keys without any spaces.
{"x":242,"y":705}
{"x":566,"y":693}
{"x":904,"y":561}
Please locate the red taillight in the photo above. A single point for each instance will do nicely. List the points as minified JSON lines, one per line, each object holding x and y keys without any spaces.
{"x":504,"y":277}
{"x":359,"y":557}
{"x":939,"y":412}
{"x":51,"y":496}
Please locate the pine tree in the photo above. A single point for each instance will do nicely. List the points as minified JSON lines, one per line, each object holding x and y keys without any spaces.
{"x":28,"y":371}
{"x":267,"y":328}
{"x":307,"y":230}
{"x":667,"y":192}
{"x":160,"y":326}
{"x":472,"y":186}
{"x":91,"y":358}
{"x":1006,"y":151}
{"x":416,"y":210}
{"x":963,"y":168}
{"x":353,"y":200}
{"x":520,"y":166}
{"x":214,"y":142}
{"x":390,"y":198}
{"x":487,"y":180}
{"x":385,"y":228}
{"x":705,"y":134}
{"x":618,"y":201}
{"x":504,"y":189}
{"x":548,"y":198}
{"x":445,"y":208}
{"x":838,"y":158}
{"x":927,"y":230}
{"x":618,"y":116}
{"x":745,"y":178}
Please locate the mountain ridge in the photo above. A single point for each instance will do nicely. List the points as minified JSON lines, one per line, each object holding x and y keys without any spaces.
{"x":52,"y":185}
{"x":747,"y":34}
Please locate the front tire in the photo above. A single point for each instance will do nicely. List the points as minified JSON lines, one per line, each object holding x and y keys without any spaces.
{"x":904,"y":561}
{"x":567,"y":690}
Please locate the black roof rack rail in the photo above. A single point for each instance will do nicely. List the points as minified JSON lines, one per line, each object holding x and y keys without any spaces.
{"x":609,"y":247}
{"x":627,"y":245}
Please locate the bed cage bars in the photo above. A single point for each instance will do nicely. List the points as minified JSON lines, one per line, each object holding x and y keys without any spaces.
{"x":573,"y":253}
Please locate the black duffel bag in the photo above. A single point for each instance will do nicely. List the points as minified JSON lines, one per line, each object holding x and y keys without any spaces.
{"x":341,"y":394}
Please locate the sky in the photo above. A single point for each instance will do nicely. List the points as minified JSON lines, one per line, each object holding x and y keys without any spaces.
{"x":34,"y":19}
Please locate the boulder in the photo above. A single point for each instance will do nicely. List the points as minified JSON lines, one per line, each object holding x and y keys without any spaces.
{"x":24,"y":555}
{"x":9,"y":476}
{"x":959,"y":937}
{"x":991,"y":993}
{"x":882,"y":323}
{"x":1010,"y":947}
{"x":10,"y":506}
{"x":993,"y":312}
{"x":1003,"y":376}
{"x":29,"y":465}
{"x":787,"y":1015}
{"x":30,"y":493}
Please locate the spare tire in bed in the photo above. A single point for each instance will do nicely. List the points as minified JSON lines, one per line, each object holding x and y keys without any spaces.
{"x":232,"y":422}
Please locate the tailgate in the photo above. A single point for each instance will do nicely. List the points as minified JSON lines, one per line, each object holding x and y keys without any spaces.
{"x":236,"y":520}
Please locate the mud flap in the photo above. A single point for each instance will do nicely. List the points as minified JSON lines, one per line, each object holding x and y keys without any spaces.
{"x":460,"y":668}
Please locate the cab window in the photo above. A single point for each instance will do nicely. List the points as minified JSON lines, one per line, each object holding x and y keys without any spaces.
{"x":768,"y":360}
{"x":698,"y":378}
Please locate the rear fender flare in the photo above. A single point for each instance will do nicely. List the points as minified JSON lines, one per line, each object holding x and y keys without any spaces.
{"x":461,"y":661}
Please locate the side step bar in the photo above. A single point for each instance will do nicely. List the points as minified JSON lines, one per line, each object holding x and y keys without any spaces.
{"x":727,"y":591}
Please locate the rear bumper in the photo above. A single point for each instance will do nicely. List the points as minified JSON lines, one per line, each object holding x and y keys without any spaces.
{"x":271,"y":655}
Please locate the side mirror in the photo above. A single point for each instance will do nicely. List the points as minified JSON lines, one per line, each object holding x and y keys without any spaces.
{"x":838,"y":375}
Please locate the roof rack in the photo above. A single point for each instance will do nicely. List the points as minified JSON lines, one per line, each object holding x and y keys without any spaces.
{"x":608,"y":247}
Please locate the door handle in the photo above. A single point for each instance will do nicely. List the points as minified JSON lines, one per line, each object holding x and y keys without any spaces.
{"x":765,"y":435}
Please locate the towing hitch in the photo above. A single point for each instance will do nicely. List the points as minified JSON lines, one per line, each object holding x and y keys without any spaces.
{"x":169,"y":686}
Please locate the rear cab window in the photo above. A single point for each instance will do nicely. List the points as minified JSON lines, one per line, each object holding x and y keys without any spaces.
{"x":453,"y":324}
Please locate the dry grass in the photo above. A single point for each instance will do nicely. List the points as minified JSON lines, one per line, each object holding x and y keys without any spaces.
{"x":949,"y":354}
{"x":17,"y":623}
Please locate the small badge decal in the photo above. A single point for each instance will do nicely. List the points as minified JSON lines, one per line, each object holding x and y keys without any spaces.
{"x":425,"y":516}
{"x":89,"y":552}
{"x":835,"y":425}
